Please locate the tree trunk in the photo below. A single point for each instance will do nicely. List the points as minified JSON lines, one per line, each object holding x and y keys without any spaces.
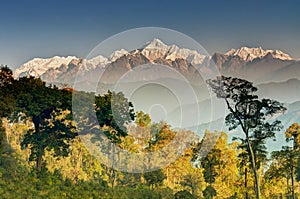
{"x":193,"y":188}
{"x":39,"y":158}
{"x":292,"y":168}
{"x":246,"y":181}
{"x":113,"y":172}
{"x":253,"y":165}
{"x":287,"y":185}
{"x":292,"y":177}
{"x":39,"y":163}
{"x":113,"y":178}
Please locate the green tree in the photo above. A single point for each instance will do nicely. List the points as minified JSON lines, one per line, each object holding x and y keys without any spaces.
{"x":142,"y":119}
{"x":293,"y":134}
{"x":209,"y":192}
{"x":162,"y":134}
{"x":193,"y":182}
{"x":184,"y":194}
{"x":219,"y":165}
{"x":6,"y":99}
{"x":141,"y":131}
{"x":209,"y":163}
{"x":114,"y":113}
{"x":284,"y":163}
{"x":206,"y":157}
{"x":291,"y":154}
{"x":247,"y":112}
{"x":47,"y":108}
{"x":260,"y":151}
{"x":2,"y":137}
{"x":154,"y":177}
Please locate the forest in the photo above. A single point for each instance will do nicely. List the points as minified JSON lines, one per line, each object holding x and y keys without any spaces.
{"x":42,"y":154}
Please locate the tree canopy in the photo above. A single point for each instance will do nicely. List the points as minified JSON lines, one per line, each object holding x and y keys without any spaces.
{"x":49,"y":109}
{"x":248,"y":112}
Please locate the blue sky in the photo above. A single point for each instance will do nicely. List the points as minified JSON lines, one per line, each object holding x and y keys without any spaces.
{"x":46,"y":28}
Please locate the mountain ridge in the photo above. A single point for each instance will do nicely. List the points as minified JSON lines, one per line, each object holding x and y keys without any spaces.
{"x":255,"y":64}
{"x":251,"y":53}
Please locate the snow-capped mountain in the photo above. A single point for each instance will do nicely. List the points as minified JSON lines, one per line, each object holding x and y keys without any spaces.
{"x":249,"y":54}
{"x":117,"y":54}
{"x":45,"y":67}
{"x":98,"y":61}
{"x":37,"y":66}
{"x":255,"y":64}
{"x":154,"y":50}
{"x":157,"y":49}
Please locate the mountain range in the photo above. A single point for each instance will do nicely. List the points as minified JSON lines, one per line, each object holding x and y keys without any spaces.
{"x":275,"y":73}
{"x":255,"y":64}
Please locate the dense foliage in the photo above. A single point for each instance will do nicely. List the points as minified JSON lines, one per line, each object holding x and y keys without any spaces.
{"x":42,"y":156}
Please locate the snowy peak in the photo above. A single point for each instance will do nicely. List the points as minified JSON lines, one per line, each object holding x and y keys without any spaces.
{"x":249,"y":54}
{"x":38,"y":66}
{"x":279,"y":55}
{"x":155,"y":44}
{"x":117,"y":54}
{"x":98,"y":61}
{"x":156,"y":49}
{"x":191,"y":56}
{"x":152,"y":50}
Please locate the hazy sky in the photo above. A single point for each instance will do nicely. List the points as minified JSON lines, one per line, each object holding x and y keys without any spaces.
{"x":46,"y":28}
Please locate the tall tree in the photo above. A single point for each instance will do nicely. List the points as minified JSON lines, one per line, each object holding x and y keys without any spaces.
{"x":219,"y":165}
{"x":114,"y":113}
{"x":247,"y":112}
{"x":7,"y":100}
{"x":154,"y":177}
{"x":277,"y":176}
{"x":260,"y":151}
{"x":286,"y":160}
{"x":47,"y":108}
{"x":293,"y":134}
{"x":225,"y":183}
